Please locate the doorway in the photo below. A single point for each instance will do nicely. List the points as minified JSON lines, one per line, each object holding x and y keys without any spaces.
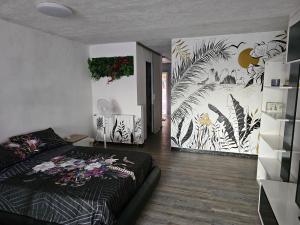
{"x":166,"y":90}
{"x":164,"y":96}
{"x":149,"y":97}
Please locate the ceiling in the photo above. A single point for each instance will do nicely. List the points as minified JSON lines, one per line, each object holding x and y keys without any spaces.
{"x":152,"y":22}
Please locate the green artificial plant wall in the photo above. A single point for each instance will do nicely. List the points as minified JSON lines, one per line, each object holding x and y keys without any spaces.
{"x":113,"y":67}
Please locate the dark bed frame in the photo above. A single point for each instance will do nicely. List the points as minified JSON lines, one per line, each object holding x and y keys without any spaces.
{"x":128,"y":216}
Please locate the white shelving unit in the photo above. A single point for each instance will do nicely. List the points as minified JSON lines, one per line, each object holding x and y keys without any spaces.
{"x":280,"y":117}
{"x":280,"y":87}
{"x":275,"y":142}
{"x":271,"y":147}
{"x":276,"y":198}
{"x":272,"y":124}
{"x":271,"y":167}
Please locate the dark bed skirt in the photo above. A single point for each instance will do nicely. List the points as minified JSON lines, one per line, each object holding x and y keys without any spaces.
{"x":128,"y":215}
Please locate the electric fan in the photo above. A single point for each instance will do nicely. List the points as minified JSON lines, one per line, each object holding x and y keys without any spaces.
{"x":106,"y":109}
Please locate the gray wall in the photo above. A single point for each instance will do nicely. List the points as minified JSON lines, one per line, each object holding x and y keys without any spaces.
{"x":43,"y":83}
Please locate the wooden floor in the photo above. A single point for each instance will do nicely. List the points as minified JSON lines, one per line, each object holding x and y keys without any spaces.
{"x":200,"y":188}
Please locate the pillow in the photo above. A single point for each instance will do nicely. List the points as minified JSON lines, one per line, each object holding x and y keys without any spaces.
{"x":7,"y":158}
{"x":43,"y":140}
{"x":24,"y":150}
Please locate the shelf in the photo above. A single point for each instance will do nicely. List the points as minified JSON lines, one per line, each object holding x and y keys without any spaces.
{"x":272,"y":168}
{"x":280,"y":117}
{"x":274,"y":141}
{"x":281,"y":197}
{"x":294,"y":165}
{"x":281,"y":87}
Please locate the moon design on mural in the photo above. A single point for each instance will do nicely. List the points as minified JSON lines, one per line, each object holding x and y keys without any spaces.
{"x":245,"y":59}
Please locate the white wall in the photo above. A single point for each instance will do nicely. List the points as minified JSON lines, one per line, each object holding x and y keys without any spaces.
{"x":122,"y":91}
{"x":44,"y":83}
{"x":144,"y":55}
{"x":210,"y":97}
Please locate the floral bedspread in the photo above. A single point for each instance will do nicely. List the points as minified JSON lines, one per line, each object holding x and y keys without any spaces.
{"x":79,"y":186}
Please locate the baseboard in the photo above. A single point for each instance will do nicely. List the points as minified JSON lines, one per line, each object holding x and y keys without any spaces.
{"x":239,"y":155}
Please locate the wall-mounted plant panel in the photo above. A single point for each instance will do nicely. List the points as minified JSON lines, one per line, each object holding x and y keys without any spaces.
{"x":112,"y":67}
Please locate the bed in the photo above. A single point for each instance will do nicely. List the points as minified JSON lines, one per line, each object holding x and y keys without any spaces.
{"x":70,"y":185}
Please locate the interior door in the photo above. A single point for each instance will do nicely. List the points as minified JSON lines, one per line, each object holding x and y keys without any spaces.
{"x":149,"y":97}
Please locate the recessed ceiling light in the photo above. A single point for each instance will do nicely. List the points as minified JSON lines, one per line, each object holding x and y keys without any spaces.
{"x":54,"y":9}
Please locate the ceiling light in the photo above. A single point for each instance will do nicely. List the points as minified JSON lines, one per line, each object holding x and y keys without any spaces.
{"x":54,"y":9}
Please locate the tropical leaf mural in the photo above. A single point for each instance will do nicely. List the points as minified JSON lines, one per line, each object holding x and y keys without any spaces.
{"x":192,"y":70}
{"x":180,"y":50}
{"x":179,"y":140}
{"x":190,"y":75}
{"x":264,"y":51}
{"x":216,"y":90}
{"x":186,"y":105}
{"x":224,"y":121}
{"x":220,"y":134}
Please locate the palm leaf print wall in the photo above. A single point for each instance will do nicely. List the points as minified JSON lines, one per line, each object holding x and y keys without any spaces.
{"x":216,"y":90}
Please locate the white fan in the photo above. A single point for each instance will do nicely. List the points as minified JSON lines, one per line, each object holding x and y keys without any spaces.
{"x":106,"y":109}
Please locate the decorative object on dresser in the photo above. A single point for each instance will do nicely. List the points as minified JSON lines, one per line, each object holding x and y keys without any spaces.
{"x":80,"y":140}
{"x":275,"y":82}
{"x":286,"y":83}
{"x":274,"y":107}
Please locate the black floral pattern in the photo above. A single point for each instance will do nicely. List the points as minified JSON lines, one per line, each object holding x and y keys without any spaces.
{"x":76,"y":172}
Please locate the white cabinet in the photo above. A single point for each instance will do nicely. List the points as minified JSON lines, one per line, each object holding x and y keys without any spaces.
{"x":277,"y":203}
